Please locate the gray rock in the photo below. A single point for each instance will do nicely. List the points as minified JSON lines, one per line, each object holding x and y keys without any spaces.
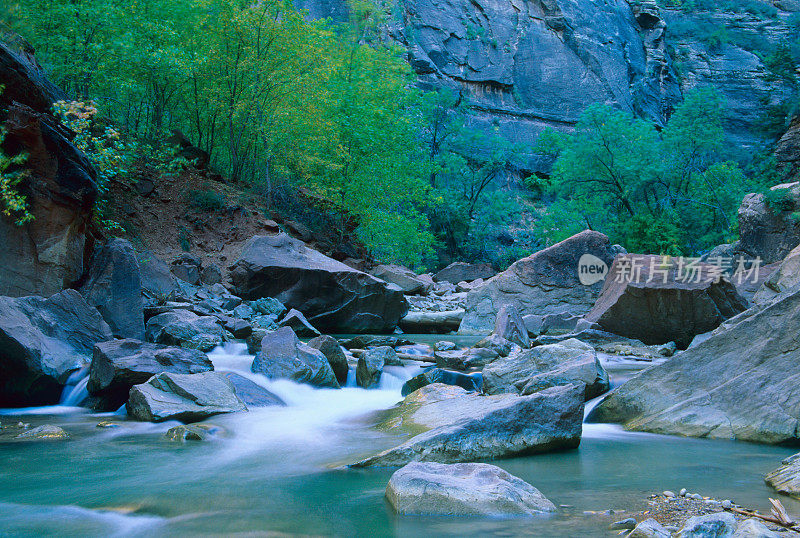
{"x":185,"y":329}
{"x":468,"y":382}
{"x":649,"y":528}
{"x":464,"y":272}
{"x":417,"y":321}
{"x":463,"y":489}
{"x":330,"y":347}
{"x":403,"y":277}
{"x":114,"y":287}
{"x":118,"y":365}
{"x":495,"y":343}
{"x":47,"y":432}
{"x":183,"y":397}
{"x":509,"y":326}
{"x":42,"y":341}
{"x":187,"y":268}
{"x":268,"y":306}
{"x":283,"y":356}
{"x":754,"y":528}
{"x":624,"y":524}
{"x":765,"y":233}
{"x":281,"y":267}
{"x":157,"y":280}
{"x":252,"y":394}
{"x":387,"y":353}
{"x":786,"y":478}
{"x":701,"y":390}
{"x":211,"y":274}
{"x":785,"y":277}
{"x":444,"y":345}
{"x":459,"y":426}
{"x":370,"y":367}
{"x":527,"y":372}
{"x":544,"y":283}
{"x":716,"y":525}
{"x":298,"y":323}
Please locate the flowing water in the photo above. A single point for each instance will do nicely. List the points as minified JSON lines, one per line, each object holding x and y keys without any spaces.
{"x":280,"y":469}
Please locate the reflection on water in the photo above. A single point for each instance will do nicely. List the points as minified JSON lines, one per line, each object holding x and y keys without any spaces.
{"x":279,"y":469}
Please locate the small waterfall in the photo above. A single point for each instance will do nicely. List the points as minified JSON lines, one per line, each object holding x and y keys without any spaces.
{"x":75,"y":392}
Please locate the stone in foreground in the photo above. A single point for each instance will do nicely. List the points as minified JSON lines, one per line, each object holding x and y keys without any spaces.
{"x":282,"y":355}
{"x":786,"y":478}
{"x":462,"y":489}
{"x":457,"y":426}
{"x":649,"y":528}
{"x":741,"y":383}
{"x":183,"y":397}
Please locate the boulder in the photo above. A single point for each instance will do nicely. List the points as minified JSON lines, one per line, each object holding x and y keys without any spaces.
{"x":701,"y":390}
{"x":211,"y":274}
{"x":718,"y":525}
{"x":468,"y":382}
{"x":423,"y":322}
{"x":649,"y":528}
{"x":465,"y":359}
{"x":283,"y":356}
{"x":114,"y":287}
{"x":786,"y":478}
{"x":768,"y":231}
{"x":298,"y":323}
{"x":330,"y":347}
{"x":183,"y":397}
{"x":509,"y":325}
{"x":239,"y":328}
{"x":546,"y":282}
{"x":496,"y":344}
{"x":42,"y":341}
{"x":185,"y":329}
{"x":464,"y":272}
{"x":402,"y":277}
{"x":333,"y":296}
{"x":657,"y":299}
{"x":118,"y":365}
{"x":452,"y":425}
{"x":268,"y":306}
{"x":251,"y":393}
{"x":569,"y":362}
{"x":785,"y":277}
{"x":370,"y":367}
{"x":158,"y":282}
{"x":462,"y":489}
{"x":46,"y":254}
{"x":187,"y":268}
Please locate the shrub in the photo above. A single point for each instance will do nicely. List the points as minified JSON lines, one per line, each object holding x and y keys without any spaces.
{"x":207,"y":200}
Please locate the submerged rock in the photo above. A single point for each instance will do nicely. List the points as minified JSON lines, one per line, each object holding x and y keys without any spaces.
{"x":452,"y":425}
{"x":741,"y":383}
{"x":330,"y":347}
{"x":568,"y":362}
{"x":47,"y":432}
{"x":282,"y":355}
{"x":468,"y":382}
{"x":183,"y":397}
{"x":333,"y":296}
{"x":192,"y":432}
{"x":118,"y":365}
{"x":185,"y":329}
{"x":461,"y":489}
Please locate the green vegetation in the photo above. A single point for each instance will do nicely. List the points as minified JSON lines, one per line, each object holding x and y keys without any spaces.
{"x":12,"y":203}
{"x":207,"y":200}
{"x":667,"y":192}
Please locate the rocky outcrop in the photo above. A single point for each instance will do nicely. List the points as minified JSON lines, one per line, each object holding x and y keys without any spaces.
{"x":283,"y":356}
{"x":458,"y":426}
{"x":330,"y":347}
{"x":42,"y":341}
{"x":463,"y":489}
{"x":546,"y":282}
{"x":787,"y":149}
{"x":715,"y":524}
{"x":768,"y":231}
{"x":402,"y":277}
{"x":23,"y":78}
{"x":333,"y":296}
{"x":118,"y":365}
{"x":786,"y":478}
{"x":784,"y":278}
{"x":183,"y":397}
{"x":569,"y":362}
{"x":657,"y":299}
{"x":185,"y":329}
{"x":113,"y":286}
{"x":743,"y":383}
{"x":464,"y":272}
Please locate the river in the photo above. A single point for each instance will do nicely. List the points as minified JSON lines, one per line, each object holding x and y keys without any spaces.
{"x":280,"y":470}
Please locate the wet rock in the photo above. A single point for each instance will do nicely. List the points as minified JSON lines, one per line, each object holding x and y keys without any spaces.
{"x":42,"y":341}
{"x":656,"y":299}
{"x":527,"y":372}
{"x":464,"y":272}
{"x":786,"y":478}
{"x":719,"y":524}
{"x":650,"y":528}
{"x":458,"y":426}
{"x":108,"y":424}
{"x":546,"y":282}
{"x":509,"y":325}
{"x":298,"y":323}
{"x":403,"y":277}
{"x":185,"y":329}
{"x":183,"y":397}
{"x":251,"y":393}
{"x":47,"y":432}
{"x":370,"y":367}
{"x":281,"y":267}
{"x":114,"y":287}
{"x":468,"y":382}
{"x":330,"y":347}
{"x":701,"y":390}
{"x":463,"y":489}
{"x":192,"y":432}
{"x":239,"y":328}
{"x":367,"y":341}
{"x":118,"y":365}
{"x":282,"y":355}
{"x":444,"y":345}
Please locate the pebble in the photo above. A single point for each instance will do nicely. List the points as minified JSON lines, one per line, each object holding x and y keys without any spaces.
{"x":625,"y":524}
{"x":683,"y":492}
{"x":727,"y":504}
{"x":668,"y":494}
{"x":695,"y":496}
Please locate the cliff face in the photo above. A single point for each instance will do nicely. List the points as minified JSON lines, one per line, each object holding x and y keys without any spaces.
{"x":530,"y":64}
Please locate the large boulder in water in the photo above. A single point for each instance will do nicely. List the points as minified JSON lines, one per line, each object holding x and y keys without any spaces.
{"x":114,"y":286}
{"x":547,"y":282}
{"x":453,"y":425}
{"x":118,"y":365}
{"x":183,"y":397}
{"x":333,"y":296}
{"x":658,"y":299}
{"x":185,"y":329}
{"x":283,"y":356}
{"x":42,"y":341}
{"x":332,"y":350}
{"x":741,"y":383}
{"x":463,"y":489}
{"x":529,"y":371}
